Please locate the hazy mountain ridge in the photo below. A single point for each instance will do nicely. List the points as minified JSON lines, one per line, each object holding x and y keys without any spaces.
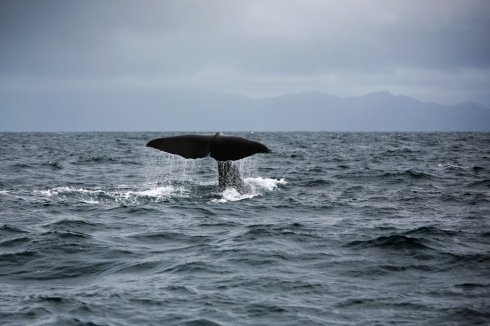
{"x":202,"y":110}
{"x":380,"y":111}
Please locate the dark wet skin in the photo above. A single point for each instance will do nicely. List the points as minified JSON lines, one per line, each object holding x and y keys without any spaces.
{"x":229,"y":177}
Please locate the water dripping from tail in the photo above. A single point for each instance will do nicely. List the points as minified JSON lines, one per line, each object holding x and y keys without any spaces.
{"x":229,"y":176}
{"x":236,"y":181}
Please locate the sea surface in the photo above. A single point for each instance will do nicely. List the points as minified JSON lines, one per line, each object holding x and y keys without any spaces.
{"x":337,"y":229}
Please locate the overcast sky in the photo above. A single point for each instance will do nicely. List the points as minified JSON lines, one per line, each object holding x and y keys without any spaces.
{"x":431,"y":50}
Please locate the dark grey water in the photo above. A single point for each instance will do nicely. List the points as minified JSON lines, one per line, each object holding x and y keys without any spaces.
{"x":339,"y":228}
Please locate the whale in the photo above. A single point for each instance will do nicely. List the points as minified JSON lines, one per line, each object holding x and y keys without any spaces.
{"x":226,"y":150}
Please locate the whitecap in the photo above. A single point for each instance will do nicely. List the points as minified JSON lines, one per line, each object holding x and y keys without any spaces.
{"x":265,"y":183}
{"x":123,"y":196}
{"x":91,"y":201}
{"x":157,"y":192}
{"x":256,"y":186}
{"x":231,"y":194}
{"x":446,"y":165}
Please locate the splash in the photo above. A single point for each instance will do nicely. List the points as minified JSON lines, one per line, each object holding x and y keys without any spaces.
{"x":231,"y":194}
{"x":256,"y":185}
{"x":265,"y":183}
{"x":167,"y":169}
{"x":122,"y":195}
{"x":156,"y":194}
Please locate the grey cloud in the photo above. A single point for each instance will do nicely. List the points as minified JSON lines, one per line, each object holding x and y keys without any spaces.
{"x":247,"y":40}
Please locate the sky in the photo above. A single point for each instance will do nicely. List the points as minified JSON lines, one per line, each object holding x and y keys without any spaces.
{"x":434,"y":50}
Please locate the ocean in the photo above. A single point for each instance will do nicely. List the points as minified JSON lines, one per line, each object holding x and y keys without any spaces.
{"x":337,"y":229}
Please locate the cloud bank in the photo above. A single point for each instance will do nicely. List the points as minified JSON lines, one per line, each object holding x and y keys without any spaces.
{"x":434,"y":50}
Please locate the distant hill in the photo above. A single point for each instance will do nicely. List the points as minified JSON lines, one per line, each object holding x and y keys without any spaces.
{"x":191,"y":110}
{"x":373,"y":112}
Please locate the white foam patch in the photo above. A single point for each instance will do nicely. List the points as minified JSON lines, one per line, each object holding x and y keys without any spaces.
{"x":157,"y":192}
{"x":445,"y":165}
{"x":231,"y":194}
{"x":208,"y":183}
{"x":265,"y":183}
{"x":67,"y":190}
{"x":256,"y":187}
{"x":124,"y":195}
{"x":91,"y":201}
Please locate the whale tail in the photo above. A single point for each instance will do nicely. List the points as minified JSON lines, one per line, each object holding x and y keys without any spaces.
{"x":224,"y":149}
{"x":221,"y":148}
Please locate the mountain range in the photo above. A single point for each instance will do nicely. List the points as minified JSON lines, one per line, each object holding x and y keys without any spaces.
{"x":193,"y":110}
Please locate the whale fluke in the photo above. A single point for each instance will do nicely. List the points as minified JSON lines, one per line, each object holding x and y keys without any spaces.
{"x":220,"y":147}
{"x":224,"y":149}
{"x":187,"y":146}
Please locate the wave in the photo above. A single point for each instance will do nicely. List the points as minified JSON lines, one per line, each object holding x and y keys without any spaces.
{"x":10,"y":229}
{"x":472,"y":286}
{"x":121,"y":196}
{"x":14,"y":242}
{"x":450,"y":166}
{"x":477,"y":168}
{"x":469,"y":259}
{"x":68,"y":269}
{"x":397,"y":152}
{"x":430,"y":230}
{"x":130,"y":196}
{"x":410,"y":174}
{"x":469,"y":316}
{"x":479,"y":184}
{"x":20,"y":166}
{"x":53,"y":165}
{"x":201,"y":321}
{"x":137,"y":267}
{"x":66,"y":235}
{"x":159,"y":237}
{"x":485,"y":234}
{"x":396,"y":242}
{"x":195,"y":267}
{"x":291,"y":231}
{"x":96,"y":159}
{"x":421,"y":238}
{"x":380,"y":175}
{"x":72,"y":225}
{"x":19,"y":257}
{"x":317,"y":183}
